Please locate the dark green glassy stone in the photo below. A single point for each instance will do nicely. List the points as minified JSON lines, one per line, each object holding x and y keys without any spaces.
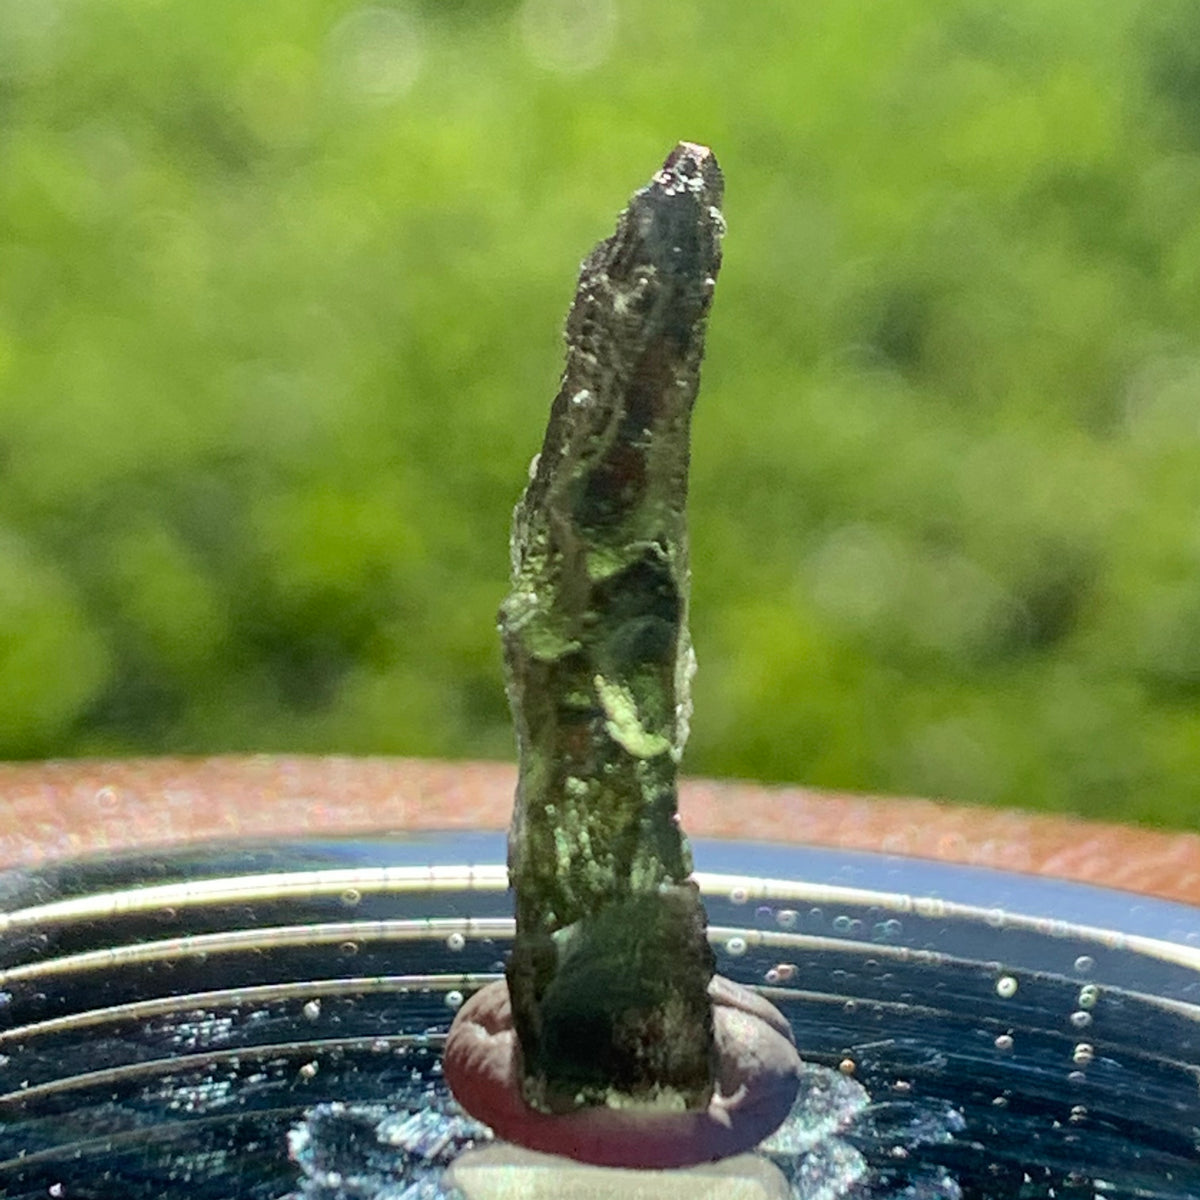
{"x":611,"y":963}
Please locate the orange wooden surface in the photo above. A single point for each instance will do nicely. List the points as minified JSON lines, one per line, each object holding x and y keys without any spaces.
{"x":56,"y":810}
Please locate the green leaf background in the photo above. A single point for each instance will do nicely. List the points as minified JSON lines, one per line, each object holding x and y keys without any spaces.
{"x":281,"y":291}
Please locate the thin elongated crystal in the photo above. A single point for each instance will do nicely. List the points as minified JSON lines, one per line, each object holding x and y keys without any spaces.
{"x":610,"y":968}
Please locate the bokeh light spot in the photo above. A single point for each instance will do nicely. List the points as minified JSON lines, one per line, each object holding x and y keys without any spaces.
{"x":377,"y":53}
{"x":568,"y":35}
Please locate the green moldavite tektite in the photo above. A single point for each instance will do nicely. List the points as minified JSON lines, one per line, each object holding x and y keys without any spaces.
{"x":611,"y":964}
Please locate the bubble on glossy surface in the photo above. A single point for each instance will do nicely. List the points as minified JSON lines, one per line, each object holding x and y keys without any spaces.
{"x":1084,"y":964}
{"x":1081,"y":1019}
{"x":1088,"y":995}
{"x":738,"y":895}
{"x":107,"y":798}
{"x":1083,"y":1054}
{"x":786,"y":918}
{"x":455,"y":941}
{"x":309,"y":1070}
{"x":312,"y":1009}
{"x":351,"y":897}
{"x":454,"y":999}
{"x":1004,"y":1042}
{"x":736,"y":946}
{"x":1006,"y":987}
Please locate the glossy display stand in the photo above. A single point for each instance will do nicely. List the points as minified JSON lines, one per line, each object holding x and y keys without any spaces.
{"x":233,"y":977}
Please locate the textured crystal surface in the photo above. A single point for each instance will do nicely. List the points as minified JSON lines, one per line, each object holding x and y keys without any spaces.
{"x":610,"y":969}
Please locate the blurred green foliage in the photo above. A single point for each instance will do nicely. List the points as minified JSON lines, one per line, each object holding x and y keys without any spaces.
{"x":281,"y":286}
